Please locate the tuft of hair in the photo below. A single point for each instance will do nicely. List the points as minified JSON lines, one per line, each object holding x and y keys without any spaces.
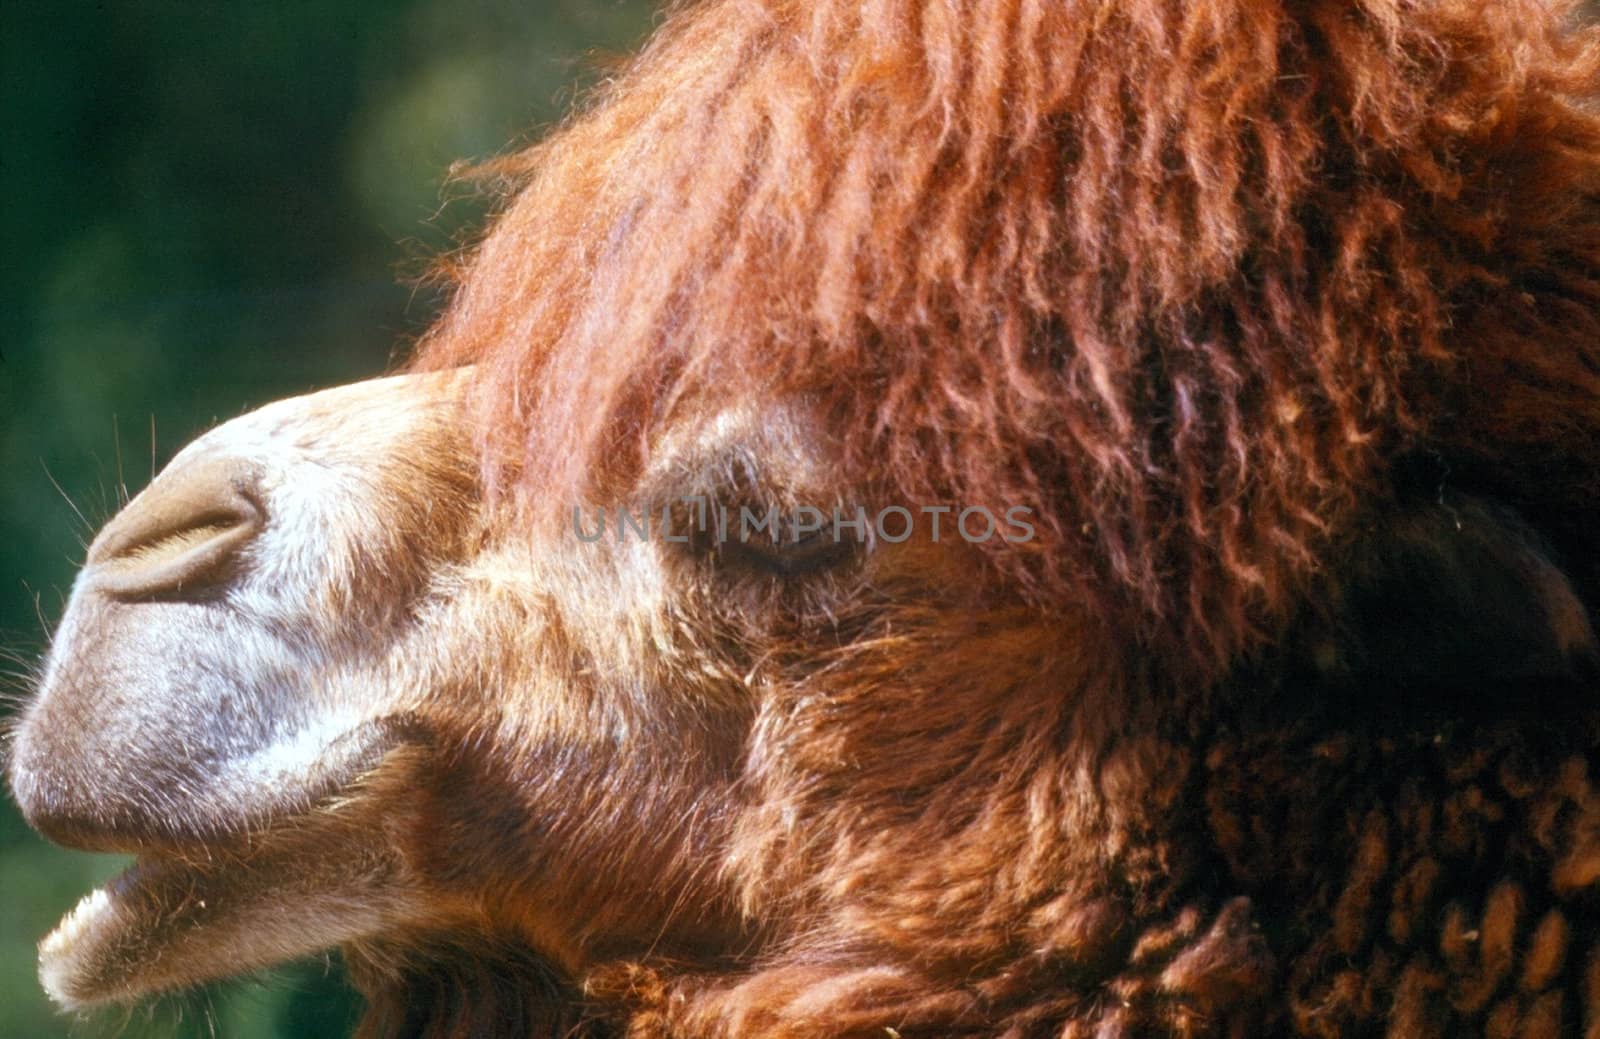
{"x":1184,"y":277}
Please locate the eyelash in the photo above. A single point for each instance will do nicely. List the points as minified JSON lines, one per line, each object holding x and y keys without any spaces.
{"x":778,"y":553}
{"x":789,"y":557}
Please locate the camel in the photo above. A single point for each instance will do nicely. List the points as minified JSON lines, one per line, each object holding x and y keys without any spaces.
{"x":919,"y":519}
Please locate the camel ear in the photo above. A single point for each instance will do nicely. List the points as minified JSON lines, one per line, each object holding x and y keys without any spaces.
{"x":1455,"y":595}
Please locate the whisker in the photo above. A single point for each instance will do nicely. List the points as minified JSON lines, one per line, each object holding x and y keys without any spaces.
{"x":38,"y":607}
{"x":121,"y":486}
{"x":66,"y":497}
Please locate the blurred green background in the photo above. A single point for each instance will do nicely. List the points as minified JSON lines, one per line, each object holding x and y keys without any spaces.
{"x":208,"y":206}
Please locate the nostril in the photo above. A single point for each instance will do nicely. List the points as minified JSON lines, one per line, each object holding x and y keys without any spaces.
{"x":183,"y":533}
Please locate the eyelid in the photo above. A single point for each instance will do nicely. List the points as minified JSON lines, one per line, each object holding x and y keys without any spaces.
{"x":789,"y":556}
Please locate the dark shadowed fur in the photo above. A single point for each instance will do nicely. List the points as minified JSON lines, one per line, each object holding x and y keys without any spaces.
{"x":453,"y":991}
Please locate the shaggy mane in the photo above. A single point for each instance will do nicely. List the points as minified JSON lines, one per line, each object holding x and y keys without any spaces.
{"x":1184,"y":277}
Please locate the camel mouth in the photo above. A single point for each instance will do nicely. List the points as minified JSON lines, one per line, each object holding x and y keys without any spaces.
{"x":73,"y":956}
{"x":175,"y":919}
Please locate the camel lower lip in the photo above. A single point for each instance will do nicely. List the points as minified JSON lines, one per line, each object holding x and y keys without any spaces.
{"x":72,"y":957}
{"x":175,"y":920}
{"x":166,"y":924}
{"x":136,"y":934}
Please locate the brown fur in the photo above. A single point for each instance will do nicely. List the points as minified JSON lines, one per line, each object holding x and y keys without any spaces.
{"x":1186,"y":276}
{"x":1209,"y":284}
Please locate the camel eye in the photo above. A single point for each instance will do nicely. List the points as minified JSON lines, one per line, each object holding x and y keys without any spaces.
{"x":793,"y":554}
{"x":799,"y":543}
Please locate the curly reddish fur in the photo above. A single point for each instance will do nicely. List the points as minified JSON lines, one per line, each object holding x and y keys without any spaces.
{"x":1183,"y":275}
{"x":1220,"y":289}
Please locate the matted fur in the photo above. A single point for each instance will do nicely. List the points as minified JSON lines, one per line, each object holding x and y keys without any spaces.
{"x":1183,"y":276}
